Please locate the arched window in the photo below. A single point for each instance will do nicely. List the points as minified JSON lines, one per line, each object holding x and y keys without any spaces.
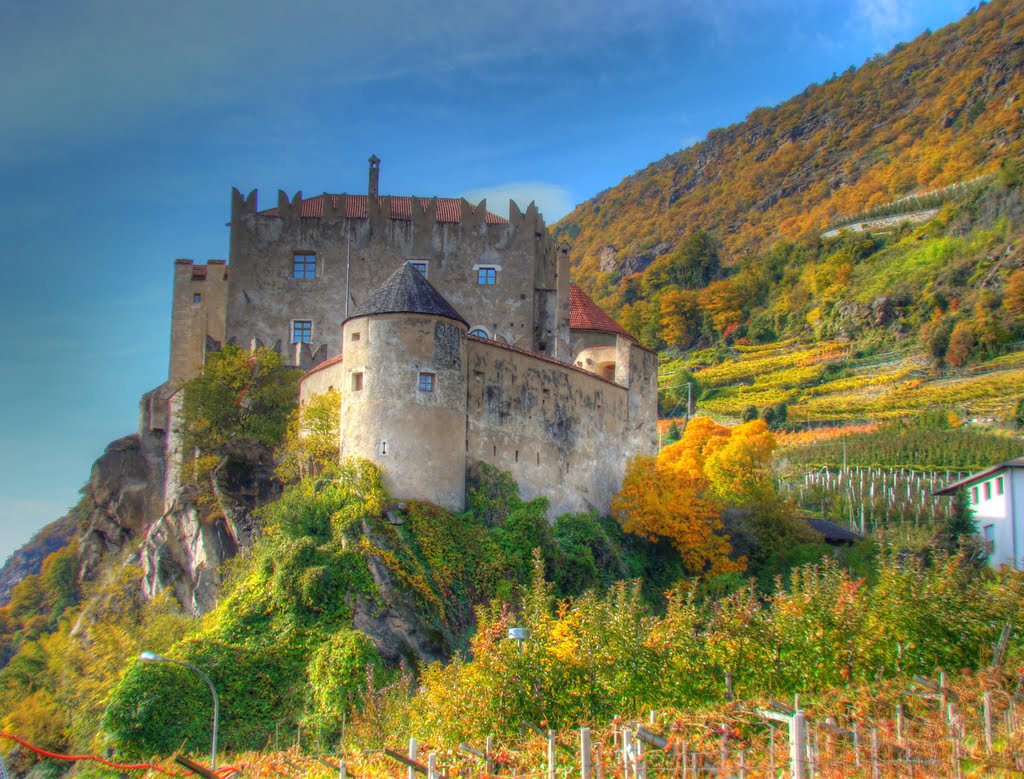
{"x":479,"y":332}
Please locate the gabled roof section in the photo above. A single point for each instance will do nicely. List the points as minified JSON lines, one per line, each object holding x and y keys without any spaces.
{"x":584,"y":314}
{"x":949,"y":489}
{"x":407,"y":292}
{"x":449,"y":209}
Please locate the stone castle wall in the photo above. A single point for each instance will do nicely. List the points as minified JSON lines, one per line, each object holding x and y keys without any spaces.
{"x":358,"y":254}
{"x":418,"y":435}
{"x":560,"y":431}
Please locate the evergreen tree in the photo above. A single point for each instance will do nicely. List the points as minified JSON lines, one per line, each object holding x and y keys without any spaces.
{"x":961,"y":521}
{"x":672,"y":434}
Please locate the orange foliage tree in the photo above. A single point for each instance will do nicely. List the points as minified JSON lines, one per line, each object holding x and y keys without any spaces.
{"x":669,"y":497}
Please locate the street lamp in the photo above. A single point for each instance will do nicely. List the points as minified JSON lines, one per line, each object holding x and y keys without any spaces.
{"x":150,"y":657}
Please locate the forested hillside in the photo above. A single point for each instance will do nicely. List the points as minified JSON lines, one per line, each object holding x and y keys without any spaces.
{"x":722,"y":241}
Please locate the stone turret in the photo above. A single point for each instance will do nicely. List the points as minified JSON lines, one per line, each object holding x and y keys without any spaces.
{"x":404,"y":389}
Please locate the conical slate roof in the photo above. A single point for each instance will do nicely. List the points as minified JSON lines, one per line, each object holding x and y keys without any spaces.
{"x":407,"y":292}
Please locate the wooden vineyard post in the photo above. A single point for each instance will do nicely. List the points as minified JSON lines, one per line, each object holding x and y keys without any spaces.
{"x":586,"y":754}
{"x":724,"y":750}
{"x":551,"y":754}
{"x":489,"y":755}
{"x":413,"y":751}
{"x":798,"y":745}
{"x":987,"y":714}
{"x":627,"y":752}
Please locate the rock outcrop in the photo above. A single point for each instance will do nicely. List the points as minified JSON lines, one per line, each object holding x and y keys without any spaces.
{"x":186,"y":545}
{"x":123,"y":496}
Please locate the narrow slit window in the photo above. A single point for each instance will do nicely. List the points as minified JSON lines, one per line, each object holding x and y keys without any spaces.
{"x":426,"y":382}
{"x":357,"y":381}
{"x":517,"y":455}
{"x":987,"y":488}
{"x":999,"y":485}
{"x":974,"y":495}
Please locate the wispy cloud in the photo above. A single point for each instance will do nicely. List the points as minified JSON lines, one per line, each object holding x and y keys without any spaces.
{"x":99,"y":70}
{"x":553,"y":201}
{"x":884,"y":18}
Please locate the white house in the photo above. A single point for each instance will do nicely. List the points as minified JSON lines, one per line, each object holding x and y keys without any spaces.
{"x":997,"y":497}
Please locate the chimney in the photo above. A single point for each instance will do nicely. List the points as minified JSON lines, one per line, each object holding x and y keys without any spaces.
{"x":374,"y":175}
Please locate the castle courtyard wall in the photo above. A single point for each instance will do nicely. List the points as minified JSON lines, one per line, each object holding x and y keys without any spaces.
{"x":562,"y":433}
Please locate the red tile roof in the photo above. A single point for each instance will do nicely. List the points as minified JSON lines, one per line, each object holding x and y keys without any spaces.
{"x":585,"y":315}
{"x":449,"y":209}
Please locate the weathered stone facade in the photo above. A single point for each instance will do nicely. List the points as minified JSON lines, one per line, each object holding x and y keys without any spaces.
{"x":426,"y":402}
{"x":522,"y":370}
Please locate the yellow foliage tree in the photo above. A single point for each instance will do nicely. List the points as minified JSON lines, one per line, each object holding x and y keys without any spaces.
{"x":655,"y":503}
{"x":739,"y":469}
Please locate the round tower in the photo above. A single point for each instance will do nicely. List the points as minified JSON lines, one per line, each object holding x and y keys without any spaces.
{"x":404,"y":393}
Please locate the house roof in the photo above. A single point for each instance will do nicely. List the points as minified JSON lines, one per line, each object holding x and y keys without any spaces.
{"x":832,"y":532}
{"x":449,"y":209}
{"x":949,"y":489}
{"x":584,"y":314}
{"x":407,"y":291}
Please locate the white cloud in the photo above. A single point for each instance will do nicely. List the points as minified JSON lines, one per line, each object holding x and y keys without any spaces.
{"x":553,"y":201}
{"x":884,"y":18}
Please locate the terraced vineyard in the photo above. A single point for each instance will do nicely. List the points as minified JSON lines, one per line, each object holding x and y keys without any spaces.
{"x":824,"y":382}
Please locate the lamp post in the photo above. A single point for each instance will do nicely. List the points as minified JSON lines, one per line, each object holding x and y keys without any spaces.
{"x":150,"y":657}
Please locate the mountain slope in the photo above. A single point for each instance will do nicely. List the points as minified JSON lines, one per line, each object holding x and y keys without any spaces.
{"x":942,"y":109}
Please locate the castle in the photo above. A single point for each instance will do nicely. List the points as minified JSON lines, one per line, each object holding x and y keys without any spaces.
{"x":454,"y":336}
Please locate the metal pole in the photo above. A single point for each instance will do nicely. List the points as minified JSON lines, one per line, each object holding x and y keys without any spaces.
{"x":150,"y":657}
{"x":348,"y":261}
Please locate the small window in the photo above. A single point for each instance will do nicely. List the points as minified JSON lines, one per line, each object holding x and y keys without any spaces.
{"x":197,"y":297}
{"x":479,"y":332}
{"x":304,"y":266}
{"x":974,"y":495}
{"x":426,"y":382}
{"x":989,"y":533}
{"x":355,"y":337}
{"x":487,"y":276}
{"x":999,"y":485}
{"x":302,"y":331}
{"x":987,"y":489}
{"x":357,"y":381}
{"x":421,"y":266}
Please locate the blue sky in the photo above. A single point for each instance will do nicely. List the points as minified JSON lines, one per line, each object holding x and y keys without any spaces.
{"x":124,"y":125}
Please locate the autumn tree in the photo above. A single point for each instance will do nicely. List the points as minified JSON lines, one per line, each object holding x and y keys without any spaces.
{"x":313,"y":437}
{"x":656,"y":504}
{"x":961,"y":341}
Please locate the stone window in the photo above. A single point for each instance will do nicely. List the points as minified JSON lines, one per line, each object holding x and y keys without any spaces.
{"x":197,"y":297}
{"x":357,"y":381}
{"x":304,"y":266}
{"x":355,"y":337}
{"x":420,"y":265}
{"x":486,"y":276}
{"x":426,"y":382}
{"x":302,"y":331}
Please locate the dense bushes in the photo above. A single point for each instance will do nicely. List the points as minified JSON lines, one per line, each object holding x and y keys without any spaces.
{"x":592,"y":658}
